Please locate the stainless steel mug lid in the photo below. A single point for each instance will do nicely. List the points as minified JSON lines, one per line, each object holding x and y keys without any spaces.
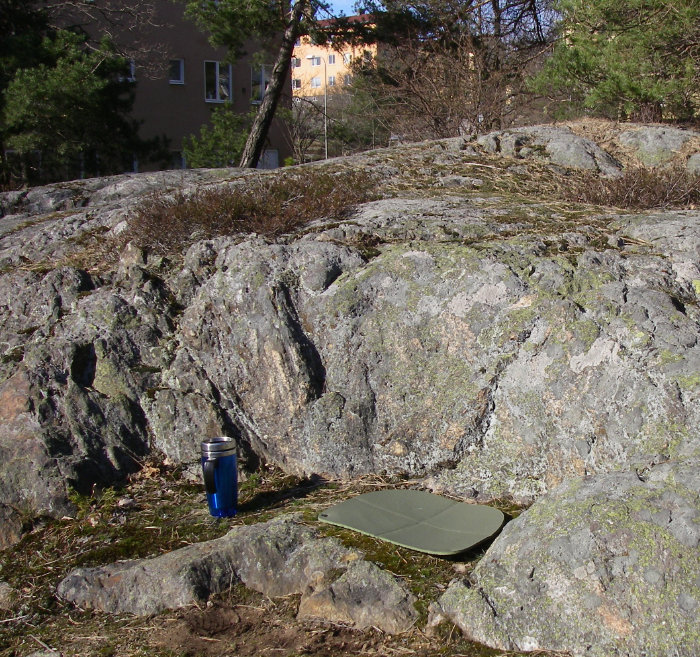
{"x":219,"y":446}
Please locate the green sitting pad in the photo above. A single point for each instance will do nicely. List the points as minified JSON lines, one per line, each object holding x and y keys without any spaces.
{"x":417,"y":520}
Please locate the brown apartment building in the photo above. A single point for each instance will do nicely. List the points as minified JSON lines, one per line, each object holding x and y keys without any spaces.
{"x":177,"y":92}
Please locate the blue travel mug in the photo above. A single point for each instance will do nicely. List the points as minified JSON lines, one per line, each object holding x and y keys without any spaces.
{"x":220,"y":475}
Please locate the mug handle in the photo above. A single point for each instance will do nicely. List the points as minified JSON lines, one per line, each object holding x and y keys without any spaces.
{"x":209,"y":467}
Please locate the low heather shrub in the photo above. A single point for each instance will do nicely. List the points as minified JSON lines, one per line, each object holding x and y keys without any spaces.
{"x":639,"y":189}
{"x":270,"y":205}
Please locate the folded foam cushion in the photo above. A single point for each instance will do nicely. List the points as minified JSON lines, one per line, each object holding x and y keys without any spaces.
{"x":417,"y":520}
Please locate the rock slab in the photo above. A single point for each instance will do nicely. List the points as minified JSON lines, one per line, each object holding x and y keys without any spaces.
{"x":277,"y":558}
{"x":557,"y":144}
{"x":495,"y":346}
{"x":604,"y":565}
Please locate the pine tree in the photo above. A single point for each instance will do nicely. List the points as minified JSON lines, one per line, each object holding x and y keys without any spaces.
{"x":221,"y":143}
{"x":627,"y":59}
{"x":71,"y":110}
{"x":64,"y":100}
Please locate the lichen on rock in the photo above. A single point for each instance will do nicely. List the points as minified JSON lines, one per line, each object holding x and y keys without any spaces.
{"x":605,"y":565}
{"x":491,"y":344}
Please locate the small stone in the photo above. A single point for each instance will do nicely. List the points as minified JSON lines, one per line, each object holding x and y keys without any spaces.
{"x":693,"y":164}
{"x":132,"y":255}
{"x":7,"y":596}
{"x":461,"y":181}
{"x":364,"y":596}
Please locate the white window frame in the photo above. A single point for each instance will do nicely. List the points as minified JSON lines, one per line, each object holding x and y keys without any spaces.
{"x":331,"y":80}
{"x":131,"y":75}
{"x":264,"y":82}
{"x":316,"y":82}
{"x":296,"y":83}
{"x":347,"y":80}
{"x":181,"y":78}
{"x":331,"y":59}
{"x":315,"y":61}
{"x":296,"y":62}
{"x":347,"y":58}
{"x":217,"y":84}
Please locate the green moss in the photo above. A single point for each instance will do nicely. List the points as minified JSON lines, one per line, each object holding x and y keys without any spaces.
{"x":666,"y":357}
{"x":688,"y":382}
{"x":639,"y":338}
{"x":587,"y":331}
{"x":663,"y":436}
{"x":109,"y":379}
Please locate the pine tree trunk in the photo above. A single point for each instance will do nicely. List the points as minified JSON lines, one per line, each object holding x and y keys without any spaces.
{"x":266,"y":112}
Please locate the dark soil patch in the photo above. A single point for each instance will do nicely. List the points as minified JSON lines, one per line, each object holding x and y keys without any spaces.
{"x":268,"y":629}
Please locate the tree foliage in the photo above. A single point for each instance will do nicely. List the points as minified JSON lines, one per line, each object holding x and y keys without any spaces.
{"x":21,"y":35}
{"x":234,"y":24}
{"x":72,"y":111}
{"x":64,"y":100}
{"x":627,"y":59}
{"x":221,"y":143}
{"x":444,"y":66}
{"x":348,"y":121}
{"x":354,"y":124}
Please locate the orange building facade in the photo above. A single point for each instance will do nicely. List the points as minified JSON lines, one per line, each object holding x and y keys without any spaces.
{"x":318,"y":70}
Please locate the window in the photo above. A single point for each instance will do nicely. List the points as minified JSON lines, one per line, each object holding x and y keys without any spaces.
{"x":366,"y":57}
{"x":128,"y":73}
{"x":296,"y":62}
{"x":259,"y":79}
{"x":315,"y":61}
{"x":347,"y":80}
{"x":347,"y":58}
{"x":331,"y":80}
{"x":177,"y":71}
{"x":331,"y":59}
{"x":296,"y":83}
{"x":315,"y":82}
{"x":178,"y":160}
{"x":269,"y":159}
{"x":217,"y":82}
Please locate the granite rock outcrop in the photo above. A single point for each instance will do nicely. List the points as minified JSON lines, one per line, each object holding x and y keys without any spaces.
{"x":457,"y":330}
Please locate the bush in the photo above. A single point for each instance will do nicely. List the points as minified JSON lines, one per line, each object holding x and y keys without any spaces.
{"x":270,"y":205}
{"x":639,"y":189}
{"x":221,"y":143}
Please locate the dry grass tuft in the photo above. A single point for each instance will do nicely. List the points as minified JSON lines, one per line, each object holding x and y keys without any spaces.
{"x":639,"y":189}
{"x":263,"y":204}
